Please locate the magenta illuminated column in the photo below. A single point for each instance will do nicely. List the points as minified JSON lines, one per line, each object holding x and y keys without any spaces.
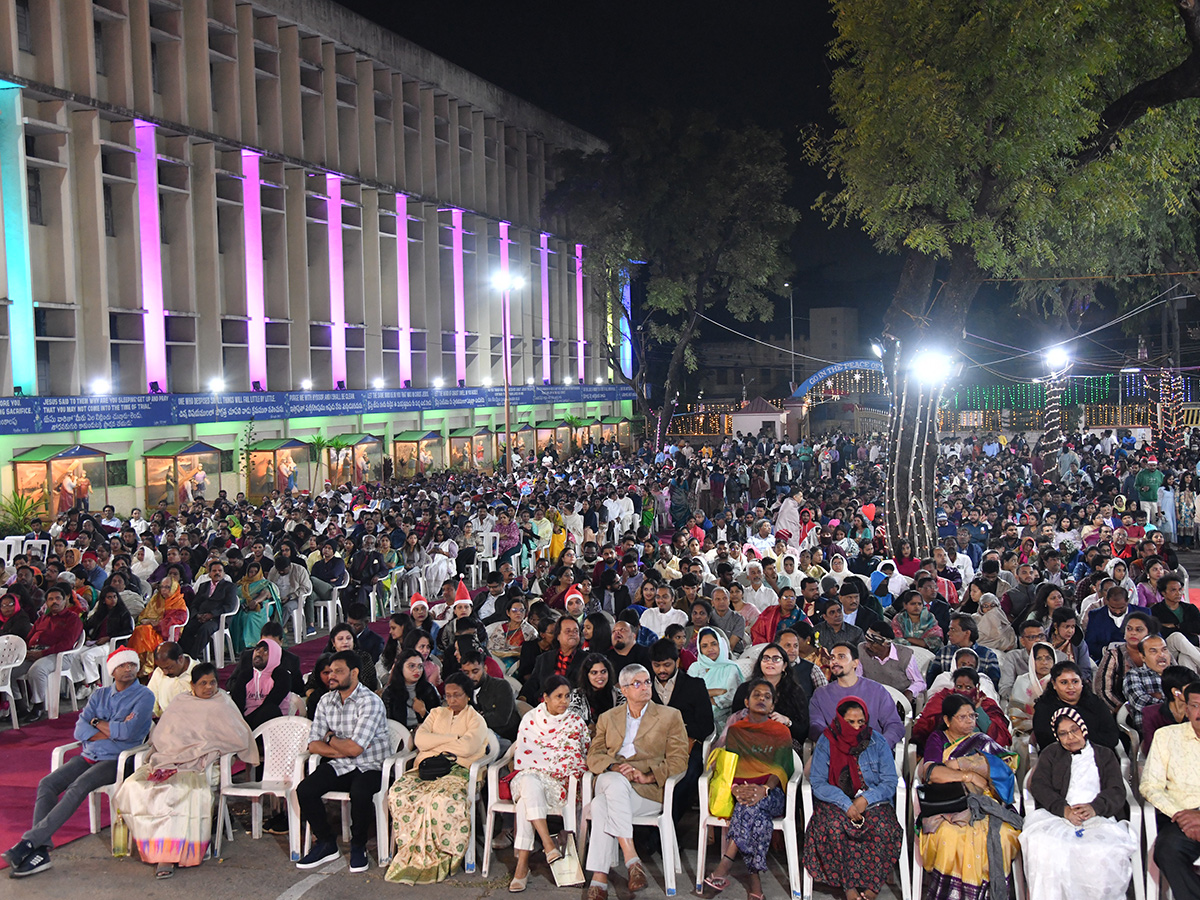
{"x":460,"y":299}
{"x":579,"y":307}
{"x":154,"y":329}
{"x":505,"y":303}
{"x":403,"y":290}
{"x":337,"y":285}
{"x":545,"y":266}
{"x":256,"y":301}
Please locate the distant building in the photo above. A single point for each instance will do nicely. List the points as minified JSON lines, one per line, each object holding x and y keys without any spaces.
{"x":767,"y":367}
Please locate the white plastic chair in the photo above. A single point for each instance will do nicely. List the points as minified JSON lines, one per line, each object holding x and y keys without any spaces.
{"x":662,"y":821}
{"x":175,"y":631}
{"x":1125,"y":723}
{"x":41,"y":548}
{"x":215,"y":651}
{"x":62,"y":669}
{"x":59,"y":756}
{"x":284,"y":740}
{"x":12,"y":655}
{"x":399,"y":737}
{"x":329,"y":612}
{"x":496,"y":806}
{"x":486,"y":556}
{"x":393,"y":767}
{"x":1157,"y":887}
{"x":785,"y":823}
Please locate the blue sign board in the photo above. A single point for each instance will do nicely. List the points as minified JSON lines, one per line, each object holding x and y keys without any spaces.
{"x":34,"y":415}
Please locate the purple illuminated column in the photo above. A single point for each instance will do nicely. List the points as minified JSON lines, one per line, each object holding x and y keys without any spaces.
{"x":460,"y":298}
{"x":579,"y":307}
{"x":154,"y":329}
{"x":337,"y":286}
{"x":403,"y":295}
{"x":256,"y":302}
{"x":544,"y":257}
{"x":505,"y":303}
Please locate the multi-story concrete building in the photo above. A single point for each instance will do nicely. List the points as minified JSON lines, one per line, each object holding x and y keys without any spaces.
{"x":277,"y":195}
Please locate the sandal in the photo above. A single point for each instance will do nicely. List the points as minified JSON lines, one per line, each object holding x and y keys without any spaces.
{"x":164,"y":870}
{"x":553,"y":856}
{"x":718,"y":884}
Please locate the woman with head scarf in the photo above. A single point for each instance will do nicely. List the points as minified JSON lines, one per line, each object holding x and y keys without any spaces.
{"x":1074,"y":844}
{"x":914,"y":625}
{"x":994,"y":630}
{"x":720,"y":673}
{"x":765,"y":762}
{"x":853,"y":838}
{"x":258,"y":596}
{"x":1029,"y":686}
{"x":165,"y":609}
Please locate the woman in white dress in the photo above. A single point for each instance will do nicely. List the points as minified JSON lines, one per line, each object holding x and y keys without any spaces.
{"x":442,"y":566}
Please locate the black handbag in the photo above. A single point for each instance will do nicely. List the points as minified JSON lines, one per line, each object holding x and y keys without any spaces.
{"x":434,"y":767}
{"x":942,"y":799}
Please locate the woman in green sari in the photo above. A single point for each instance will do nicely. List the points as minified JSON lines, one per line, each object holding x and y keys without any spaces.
{"x":915,"y":625}
{"x":257,"y":595}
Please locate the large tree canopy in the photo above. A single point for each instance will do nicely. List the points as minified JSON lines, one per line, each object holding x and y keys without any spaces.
{"x":1002,"y":139}
{"x":699,"y":209}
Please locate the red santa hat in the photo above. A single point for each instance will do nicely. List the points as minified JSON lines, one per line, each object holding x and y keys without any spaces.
{"x":417,"y":599}
{"x":461,"y":594}
{"x":119,"y":657}
{"x":571,"y":592}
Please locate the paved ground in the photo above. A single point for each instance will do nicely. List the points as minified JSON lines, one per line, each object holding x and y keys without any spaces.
{"x":260,"y":870}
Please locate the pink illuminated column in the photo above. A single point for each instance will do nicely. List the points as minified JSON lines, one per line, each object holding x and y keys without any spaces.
{"x":544,"y":257}
{"x":460,"y":297}
{"x":579,"y":308}
{"x":403,"y":290}
{"x":256,"y":301}
{"x":505,"y":303}
{"x":337,"y":285}
{"x":154,"y":328}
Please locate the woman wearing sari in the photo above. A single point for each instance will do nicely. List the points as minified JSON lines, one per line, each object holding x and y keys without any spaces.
{"x":551,"y":748}
{"x":413,"y":559}
{"x":433,"y":816}
{"x":167,"y":803}
{"x":1074,"y":846}
{"x":853,"y":838}
{"x":1028,"y":687}
{"x":955,"y":845}
{"x":165,"y":609}
{"x":256,"y":593}
{"x":994,"y":631}
{"x":915,"y":625}
{"x":442,"y":555}
{"x":506,"y":638}
{"x":720,"y":673}
{"x":764,"y":765}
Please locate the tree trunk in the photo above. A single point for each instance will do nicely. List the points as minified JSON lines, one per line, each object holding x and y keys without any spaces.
{"x":674,"y":379}
{"x":913,"y":324}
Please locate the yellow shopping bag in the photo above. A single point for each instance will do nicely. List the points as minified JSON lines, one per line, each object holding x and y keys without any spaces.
{"x":720,"y":783}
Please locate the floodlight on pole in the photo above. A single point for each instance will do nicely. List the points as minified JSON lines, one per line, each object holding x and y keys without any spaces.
{"x":1057,"y":358}
{"x":877,"y":349}
{"x":932,"y":366}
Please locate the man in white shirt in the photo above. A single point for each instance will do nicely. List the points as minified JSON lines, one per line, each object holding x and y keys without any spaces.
{"x":960,"y":561}
{"x":172,"y":675}
{"x":759,"y":593}
{"x":664,"y":613}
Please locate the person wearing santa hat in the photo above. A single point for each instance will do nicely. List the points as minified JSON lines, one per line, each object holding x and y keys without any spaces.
{"x":115,"y":719}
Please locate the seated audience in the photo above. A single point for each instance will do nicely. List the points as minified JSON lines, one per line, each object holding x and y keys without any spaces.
{"x":1067,"y":689}
{"x":1169,"y":784}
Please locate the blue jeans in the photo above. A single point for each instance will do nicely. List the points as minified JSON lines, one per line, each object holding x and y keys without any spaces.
{"x":74,"y":780}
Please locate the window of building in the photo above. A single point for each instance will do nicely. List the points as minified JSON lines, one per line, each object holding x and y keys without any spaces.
{"x":34,"y":178}
{"x":154,"y":68}
{"x":110,"y":226}
{"x":24,"y":27}
{"x":162,"y":220}
{"x":227,"y":461}
{"x":98,"y":42}
{"x":118,"y":472}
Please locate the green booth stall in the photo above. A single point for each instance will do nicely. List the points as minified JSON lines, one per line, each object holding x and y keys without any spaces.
{"x":354,"y":458}
{"x":180,"y":472}
{"x":59,"y":477}
{"x":417,"y":452}
{"x":278,"y":464}
{"x":473,"y":448}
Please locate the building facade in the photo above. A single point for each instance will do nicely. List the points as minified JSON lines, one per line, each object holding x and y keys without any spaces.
{"x":274,"y":196}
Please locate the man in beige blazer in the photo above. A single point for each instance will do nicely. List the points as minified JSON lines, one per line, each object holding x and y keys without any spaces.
{"x":637,"y":747}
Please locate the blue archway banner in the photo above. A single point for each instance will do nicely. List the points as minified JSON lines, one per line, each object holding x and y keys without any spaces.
{"x":870,"y":365}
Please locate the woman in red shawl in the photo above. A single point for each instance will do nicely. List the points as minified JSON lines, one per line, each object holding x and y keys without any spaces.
{"x":764,"y":751}
{"x":853,"y":838}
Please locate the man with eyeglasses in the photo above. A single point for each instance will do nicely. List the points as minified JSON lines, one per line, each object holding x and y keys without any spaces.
{"x":881,"y":659}
{"x":637,"y":748}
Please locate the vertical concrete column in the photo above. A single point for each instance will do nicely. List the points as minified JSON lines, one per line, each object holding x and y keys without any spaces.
{"x":256,"y":303}
{"x":154,"y":330}
{"x":14,"y":193}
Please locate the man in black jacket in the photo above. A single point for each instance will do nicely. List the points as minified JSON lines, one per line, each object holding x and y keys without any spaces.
{"x":358,"y":617}
{"x":493,"y":698}
{"x":689,"y":695}
{"x":214,"y":597}
{"x":625,"y":650}
{"x":563,"y":657}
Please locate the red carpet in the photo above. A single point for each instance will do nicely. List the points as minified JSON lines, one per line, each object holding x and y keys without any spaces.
{"x":26,"y":754}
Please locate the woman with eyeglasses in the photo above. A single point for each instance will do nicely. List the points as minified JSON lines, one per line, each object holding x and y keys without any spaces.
{"x":791,"y":708}
{"x":1074,"y":842}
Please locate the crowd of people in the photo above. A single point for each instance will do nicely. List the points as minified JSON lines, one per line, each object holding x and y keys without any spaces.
{"x":638,"y":610}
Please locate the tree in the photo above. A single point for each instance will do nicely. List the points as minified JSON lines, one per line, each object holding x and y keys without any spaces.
{"x":701,"y":208}
{"x":1002,"y":139}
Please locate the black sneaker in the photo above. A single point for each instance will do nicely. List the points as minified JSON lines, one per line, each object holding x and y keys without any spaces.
{"x":37,"y":861}
{"x":277,"y":824}
{"x":18,"y":853}
{"x":34,"y":715}
{"x":322,"y":852}
{"x":359,"y":861}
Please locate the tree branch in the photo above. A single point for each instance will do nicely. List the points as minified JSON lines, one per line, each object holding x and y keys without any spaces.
{"x":1180,"y":83}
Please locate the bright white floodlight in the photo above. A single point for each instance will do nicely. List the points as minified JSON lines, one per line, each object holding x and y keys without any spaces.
{"x":504,"y":282}
{"x":101,"y":386}
{"x":216,"y":385}
{"x":1057,"y":358}
{"x":438,"y":383}
{"x":932,"y":366}
{"x":877,"y":349}
{"x":306,"y":384}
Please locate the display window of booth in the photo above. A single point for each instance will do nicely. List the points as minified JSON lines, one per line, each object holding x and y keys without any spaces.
{"x":616,"y":427}
{"x":586,"y":433}
{"x":417,"y":452}
{"x":62,"y":477}
{"x":278,"y":464}
{"x":180,"y":472}
{"x":553,"y":433}
{"x":473,"y":448}
{"x":356,"y":458}
{"x":523,"y":437}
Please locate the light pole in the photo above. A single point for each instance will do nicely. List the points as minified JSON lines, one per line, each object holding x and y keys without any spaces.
{"x":792,"y":327}
{"x":505,"y":284}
